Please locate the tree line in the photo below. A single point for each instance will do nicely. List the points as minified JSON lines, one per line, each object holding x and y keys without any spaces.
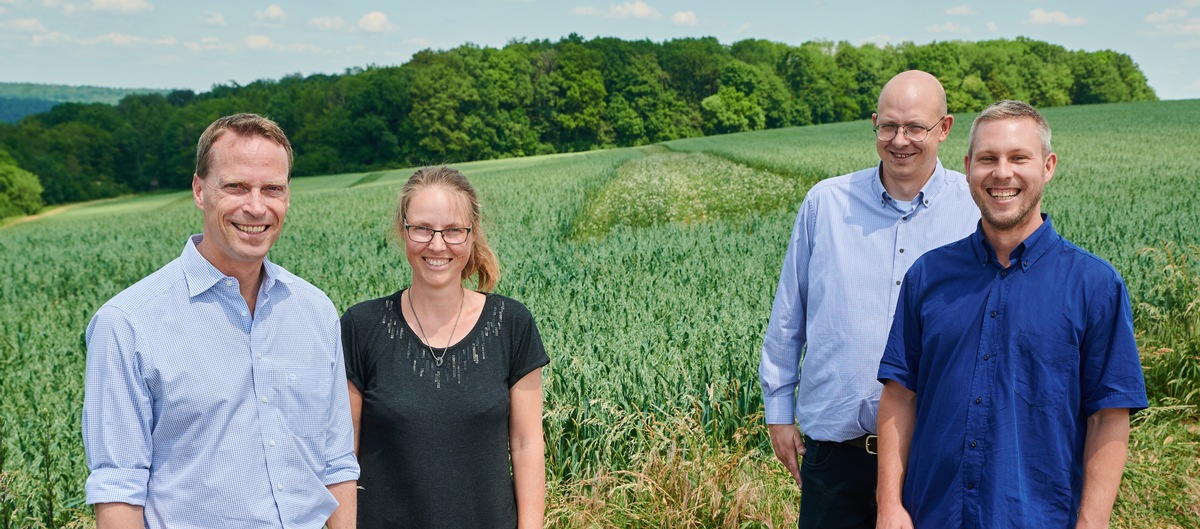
{"x":540,"y":97}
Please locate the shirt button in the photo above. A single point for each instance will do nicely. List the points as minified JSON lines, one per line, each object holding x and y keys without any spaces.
{"x":279,"y":486}
{"x":993,"y":314}
{"x":263,"y":399}
{"x":260,"y":356}
{"x":244,"y":313}
{"x":978,"y":400}
{"x":228,"y":282}
{"x":973,"y":444}
{"x":970,"y":486}
{"x":897,"y":282}
{"x":1025,"y":263}
{"x":1003,"y":273}
{"x":986,"y":357}
{"x":902,"y":250}
{"x":904,"y":218}
{"x":271,"y":442}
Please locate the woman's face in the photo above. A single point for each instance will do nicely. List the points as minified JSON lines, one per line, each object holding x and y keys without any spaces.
{"x":435,"y":263}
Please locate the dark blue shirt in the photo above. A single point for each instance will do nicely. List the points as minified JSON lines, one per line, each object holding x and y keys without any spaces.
{"x":1007,"y":364}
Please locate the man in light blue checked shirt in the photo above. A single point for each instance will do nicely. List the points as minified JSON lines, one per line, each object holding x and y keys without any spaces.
{"x":854,"y":238}
{"x":215,"y":392}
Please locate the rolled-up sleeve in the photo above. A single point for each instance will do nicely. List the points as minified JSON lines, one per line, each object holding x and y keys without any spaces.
{"x":117,"y":413}
{"x":779,"y":369}
{"x":341,"y":465}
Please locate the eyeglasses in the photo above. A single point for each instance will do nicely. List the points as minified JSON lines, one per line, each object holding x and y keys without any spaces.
{"x":425,"y":234}
{"x":912,"y":131}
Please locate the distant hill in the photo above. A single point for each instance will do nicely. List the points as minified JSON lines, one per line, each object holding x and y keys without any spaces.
{"x":18,"y":100}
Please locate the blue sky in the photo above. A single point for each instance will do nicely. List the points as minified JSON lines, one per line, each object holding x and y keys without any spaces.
{"x":196,"y":44}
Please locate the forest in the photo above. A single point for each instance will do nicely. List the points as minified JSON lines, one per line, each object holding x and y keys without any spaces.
{"x":528,"y":98}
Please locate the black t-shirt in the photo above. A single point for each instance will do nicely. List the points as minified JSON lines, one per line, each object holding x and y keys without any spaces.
{"x":433,"y":444}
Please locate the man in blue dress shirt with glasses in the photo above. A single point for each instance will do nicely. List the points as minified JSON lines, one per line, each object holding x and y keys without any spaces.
{"x":853,"y":240}
{"x":215,"y":391}
{"x":1011,"y":368}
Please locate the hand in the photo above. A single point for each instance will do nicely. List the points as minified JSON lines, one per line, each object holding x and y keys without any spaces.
{"x":789,"y":448}
{"x":893,"y":517}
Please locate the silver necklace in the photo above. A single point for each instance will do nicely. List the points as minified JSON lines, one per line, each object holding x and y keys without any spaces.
{"x":437,"y":359}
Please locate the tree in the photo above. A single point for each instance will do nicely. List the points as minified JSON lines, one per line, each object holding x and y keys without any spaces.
{"x":20,"y":191}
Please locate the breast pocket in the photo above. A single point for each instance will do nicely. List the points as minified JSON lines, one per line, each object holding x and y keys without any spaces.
{"x":308,"y":400}
{"x":1044,"y":369}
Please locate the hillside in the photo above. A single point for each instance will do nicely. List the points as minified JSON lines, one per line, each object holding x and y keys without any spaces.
{"x":18,"y":100}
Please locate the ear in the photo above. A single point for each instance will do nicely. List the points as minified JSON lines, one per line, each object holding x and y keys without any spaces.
{"x":946,"y":124}
{"x":1051,"y":163}
{"x":197,"y":191}
{"x":874,"y":119}
{"x":967,"y":165}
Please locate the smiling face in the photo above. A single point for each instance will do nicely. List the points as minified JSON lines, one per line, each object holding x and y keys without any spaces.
{"x":436,"y":264}
{"x":245,"y":198}
{"x":911,"y":98}
{"x":1007,"y":171}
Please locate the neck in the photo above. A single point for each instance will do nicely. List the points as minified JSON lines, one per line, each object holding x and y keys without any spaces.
{"x":1003,"y":241}
{"x":437,"y":301}
{"x":249,"y":275}
{"x":904,"y":190}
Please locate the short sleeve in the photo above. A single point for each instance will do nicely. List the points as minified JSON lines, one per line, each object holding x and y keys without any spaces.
{"x":351,"y":350}
{"x":901,"y":355}
{"x":528,"y":353}
{"x":1110,"y":368}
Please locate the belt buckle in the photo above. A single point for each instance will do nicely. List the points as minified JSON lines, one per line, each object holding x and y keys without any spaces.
{"x":871,"y":444}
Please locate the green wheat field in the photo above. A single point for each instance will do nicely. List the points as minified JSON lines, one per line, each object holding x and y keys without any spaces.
{"x":651,"y":272}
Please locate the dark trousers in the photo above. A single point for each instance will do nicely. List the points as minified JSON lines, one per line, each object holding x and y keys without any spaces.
{"x":839,"y":486}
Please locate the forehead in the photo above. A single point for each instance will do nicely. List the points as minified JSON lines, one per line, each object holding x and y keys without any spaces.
{"x":438,"y":205}
{"x":908,"y":106}
{"x":237,"y":156}
{"x":1007,"y":134}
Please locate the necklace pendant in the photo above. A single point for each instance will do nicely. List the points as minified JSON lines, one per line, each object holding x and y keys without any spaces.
{"x":438,"y":361}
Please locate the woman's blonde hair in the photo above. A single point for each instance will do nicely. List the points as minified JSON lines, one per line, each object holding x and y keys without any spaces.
{"x":482,"y":262}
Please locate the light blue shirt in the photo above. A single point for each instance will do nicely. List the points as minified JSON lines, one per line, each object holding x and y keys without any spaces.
{"x":210,"y":417}
{"x":850,"y":247}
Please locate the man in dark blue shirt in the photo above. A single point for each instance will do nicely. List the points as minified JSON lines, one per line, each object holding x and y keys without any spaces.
{"x":1011,"y":367}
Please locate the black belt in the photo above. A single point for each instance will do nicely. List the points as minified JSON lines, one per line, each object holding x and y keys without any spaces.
{"x":868,"y":443}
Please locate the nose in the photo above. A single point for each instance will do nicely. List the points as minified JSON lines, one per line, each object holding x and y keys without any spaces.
{"x":438,"y":241}
{"x":901,"y":138}
{"x":255,"y":204}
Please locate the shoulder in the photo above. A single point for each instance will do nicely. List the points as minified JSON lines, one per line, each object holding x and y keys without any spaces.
{"x":369,"y":309}
{"x":306,"y":291}
{"x":1090,"y":265}
{"x":152,"y":290}
{"x":506,"y":307}
{"x":842,"y":185}
{"x":950,"y":255}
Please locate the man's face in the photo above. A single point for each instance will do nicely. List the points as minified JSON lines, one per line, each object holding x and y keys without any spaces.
{"x":245,"y":198}
{"x":1007,"y":172}
{"x":905,"y":160}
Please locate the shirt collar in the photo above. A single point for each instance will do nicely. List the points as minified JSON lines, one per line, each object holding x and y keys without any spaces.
{"x":1026,"y":254}
{"x":926,"y":196}
{"x":201,"y":275}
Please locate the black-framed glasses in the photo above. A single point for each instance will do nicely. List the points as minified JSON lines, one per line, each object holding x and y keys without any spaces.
{"x":425,"y":234}
{"x":912,"y":131}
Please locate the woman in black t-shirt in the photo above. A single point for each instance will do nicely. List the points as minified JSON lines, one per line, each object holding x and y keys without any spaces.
{"x":445,"y":382}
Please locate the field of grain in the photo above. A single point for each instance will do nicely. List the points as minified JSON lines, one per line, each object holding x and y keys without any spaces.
{"x":651,"y":298}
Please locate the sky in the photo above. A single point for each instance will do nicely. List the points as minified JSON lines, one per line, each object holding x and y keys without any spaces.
{"x":195,"y":45}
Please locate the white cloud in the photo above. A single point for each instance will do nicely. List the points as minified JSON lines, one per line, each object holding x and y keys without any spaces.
{"x":53,"y":37}
{"x":961,"y":10}
{"x":1057,"y":18}
{"x":165,"y":41}
{"x":327,"y":23}
{"x":743,"y":28}
{"x":375,"y":22}
{"x":259,"y":42}
{"x":878,"y":40}
{"x":208,"y":44}
{"x":992,"y":27}
{"x":273,"y":12}
{"x":583,"y":11}
{"x":31,"y":25}
{"x":109,"y":39}
{"x":116,"y":39}
{"x":685,"y":18}
{"x":213,"y":19}
{"x":126,"y":6}
{"x":1190,"y":28}
{"x":419,"y":42}
{"x":1191,"y":3}
{"x":637,"y":9}
{"x":948,"y":27}
{"x":1165,"y":15}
